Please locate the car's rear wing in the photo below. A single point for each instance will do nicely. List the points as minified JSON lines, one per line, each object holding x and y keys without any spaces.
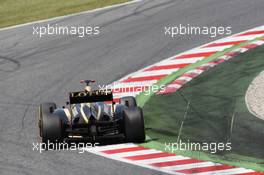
{"x":89,"y":97}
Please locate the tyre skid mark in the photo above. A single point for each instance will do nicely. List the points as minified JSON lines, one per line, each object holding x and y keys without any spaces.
{"x":15,"y":65}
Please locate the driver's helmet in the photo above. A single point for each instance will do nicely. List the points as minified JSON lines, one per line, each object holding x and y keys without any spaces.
{"x":88,"y":88}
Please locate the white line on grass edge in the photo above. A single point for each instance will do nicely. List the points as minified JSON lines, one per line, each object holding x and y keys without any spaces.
{"x":70,"y":15}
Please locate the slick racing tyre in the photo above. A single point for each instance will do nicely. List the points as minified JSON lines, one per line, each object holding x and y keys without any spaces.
{"x":50,"y":125}
{"x":128,"y":101}
{"x":134,"y":128}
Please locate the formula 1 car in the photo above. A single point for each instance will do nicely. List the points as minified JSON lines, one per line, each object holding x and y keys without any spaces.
{"x":88,"y":116}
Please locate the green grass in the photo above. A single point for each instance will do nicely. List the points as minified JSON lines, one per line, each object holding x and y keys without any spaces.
{"x":14,"y":12}
{"x":215,"y":96}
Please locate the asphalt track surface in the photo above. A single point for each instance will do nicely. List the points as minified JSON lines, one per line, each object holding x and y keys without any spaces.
{"x":34,"y":70}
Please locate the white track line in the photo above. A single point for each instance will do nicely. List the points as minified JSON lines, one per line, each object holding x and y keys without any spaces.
{"x":70,"y":15}
{"x":109,"y":147}
{"x":179,"y":61}
{"x":135,"y":153}
{"x":190,"y":166}
{"x":155,"y":72}
{"x":209,"y":49}
{"x":124,"y":94}
{"x":238,"y":38}
{"x":132,"y":84}
{"x":162,"y":159}
{"x":227,"y":172}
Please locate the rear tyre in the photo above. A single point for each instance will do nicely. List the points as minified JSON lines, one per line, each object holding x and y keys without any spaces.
{"x":128,"y":101}
{"x":50,"y":125}
{"x":134,"y":128}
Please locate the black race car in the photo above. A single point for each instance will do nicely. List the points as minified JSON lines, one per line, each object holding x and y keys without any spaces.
{"x":89,"y":116}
